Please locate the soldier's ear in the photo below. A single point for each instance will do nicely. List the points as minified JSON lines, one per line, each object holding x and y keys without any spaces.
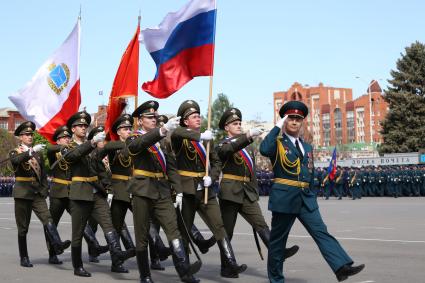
{"x":226,"y":128}
{"x":186,"y":122}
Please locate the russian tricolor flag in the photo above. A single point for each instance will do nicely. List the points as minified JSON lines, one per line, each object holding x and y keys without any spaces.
{"x":182,"y":47}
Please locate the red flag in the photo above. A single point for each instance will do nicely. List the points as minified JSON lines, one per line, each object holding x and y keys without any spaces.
{"x":125,"y":83}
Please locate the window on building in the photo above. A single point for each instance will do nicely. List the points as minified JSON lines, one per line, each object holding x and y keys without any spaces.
{"x":17,"y":123}
{"x":326,"y":121}
{"x":350,"y":127}
{"x":338,"y":125}
{"x":3,"y":124}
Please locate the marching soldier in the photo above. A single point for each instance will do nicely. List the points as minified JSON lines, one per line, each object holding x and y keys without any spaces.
{"x":30,"y":192}
{"x":59,"y":191}
{"x":339,"y":183}
{"x":86,"y":196}
{"x":100,"y":165}
{"x":188,"y":146}
{"x":292,"y":197}
{"x":150,"y":190}
{"x":238,"y":187}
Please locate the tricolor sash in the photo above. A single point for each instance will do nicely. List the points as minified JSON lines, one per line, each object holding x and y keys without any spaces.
{"x":248,"y":160}
{"x":200,"y":149}
{"x":156,"y":150}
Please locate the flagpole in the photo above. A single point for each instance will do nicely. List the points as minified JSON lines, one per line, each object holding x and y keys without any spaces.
{"x":207,"y":162}
{"x":136,"y":98}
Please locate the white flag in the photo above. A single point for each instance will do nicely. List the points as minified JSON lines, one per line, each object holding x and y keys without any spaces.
{"x":53,"y":94}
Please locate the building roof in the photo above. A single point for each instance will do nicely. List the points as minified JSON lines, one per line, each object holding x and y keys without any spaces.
{"x":374,"y":87}
{"x":4,"y":111}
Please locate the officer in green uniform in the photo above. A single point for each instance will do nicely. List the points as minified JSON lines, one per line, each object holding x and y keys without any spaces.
{"x":189,"y":145}
{"x":86,"y":196}
{"x":292,"y":197}
{"x":30,"y":192}
{"x":100,"y":165}
{"x":151,"y":192}
{"x":238,"y":187}
{"x":59,"y":191}
{"x":195,"y":234}
{"x":339,"y":183}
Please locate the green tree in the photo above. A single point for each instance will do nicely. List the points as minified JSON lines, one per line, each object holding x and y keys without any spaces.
{"x":7,"y":143}
{"x":403,"y":129}
{"x":39,"y":139}
{"x":220,"y":104}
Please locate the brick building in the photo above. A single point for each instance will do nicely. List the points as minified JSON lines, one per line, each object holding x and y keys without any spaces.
{"x":10,"y":119}
{"x":334,"y":117}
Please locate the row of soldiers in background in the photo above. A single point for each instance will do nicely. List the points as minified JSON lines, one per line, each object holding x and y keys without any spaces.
{"x":370,"y":181}
{"x":393,"y":181}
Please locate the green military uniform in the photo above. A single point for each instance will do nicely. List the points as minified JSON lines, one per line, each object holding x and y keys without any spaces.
{"x":59,"y":193}
{"x":239,"y":187}
{"x":88,"y":199}
{"x":30,"y":192}
{"x":191,"y":157}
{"x":150,"y":190}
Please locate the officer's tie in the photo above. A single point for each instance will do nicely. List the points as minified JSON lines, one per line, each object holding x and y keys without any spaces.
{"x":297,"y":145}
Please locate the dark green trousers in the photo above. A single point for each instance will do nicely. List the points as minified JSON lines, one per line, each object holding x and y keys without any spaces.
{"x":23,"y":210}
{"x":209,"y":212}
{"x":81,"y":210}
{"x":119,"y":209}
{"x":57,"y":208}
{"x":162,"y":210}
{"x":250,"y":211}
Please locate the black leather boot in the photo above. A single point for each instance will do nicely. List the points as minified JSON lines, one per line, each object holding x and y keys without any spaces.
{"x":265,"y":237}
{"x":23,"y":251}
{"x":154,"y":256}
{"x":143,"y":265}
{"x":229,"y":266}
{"x":55,"y":240}
{"x":181,"y":262}
{"x":348,"y":270}
{"x":53,"y":259}
{"x":162,"y":251}
{"x":199,"y":240}
{"x":117,"y":255}
{"x":94,"y":248}
{"x":77,"y":263}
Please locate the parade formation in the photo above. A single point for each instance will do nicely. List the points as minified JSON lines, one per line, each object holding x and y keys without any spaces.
{"x":157,"y":172}
{"x":171,"y":172}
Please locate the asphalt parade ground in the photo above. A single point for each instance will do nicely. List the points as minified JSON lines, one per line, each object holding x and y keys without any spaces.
{"x":386,"y":234}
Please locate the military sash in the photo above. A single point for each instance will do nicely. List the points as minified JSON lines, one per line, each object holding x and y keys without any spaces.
{"x":248,"y":160}
{"x":200,"y":149}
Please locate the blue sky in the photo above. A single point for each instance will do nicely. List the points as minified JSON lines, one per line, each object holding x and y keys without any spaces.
{"x":261,"y":46}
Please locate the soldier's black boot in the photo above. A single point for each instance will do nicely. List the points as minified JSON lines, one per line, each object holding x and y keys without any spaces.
{"x":23,"y":251}
{"x":117,"y":255}
{"x":229,"y":266}
{"x":128,"y":245}
{"x":53,"y":259}
{"x":181,"y":262}
{"x":348,"y":270}
{"x":77,"y":262}
{"x":161,"y":249}
{"x":199,"y":240}
{"x":153,"y":253}
{"x":55,"y":240}
{"x":143,"y":265}
{"x":265,"y":237}
{"x":94,"y":248}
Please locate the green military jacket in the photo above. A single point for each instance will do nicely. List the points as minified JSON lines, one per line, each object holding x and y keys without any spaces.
{"x":121,"y":166}
{"x":80,"y":162}
{"x":140,"y":148}
{"x":189,"y":160}
{"x":229,"y":152}
{"x":21,"y":162}
{"x":62,"y":172}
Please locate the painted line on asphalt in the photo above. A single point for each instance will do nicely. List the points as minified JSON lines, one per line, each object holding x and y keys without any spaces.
{"x":378,"y":228}
{"x":367,"y":281}
{"x":352,"y":239}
